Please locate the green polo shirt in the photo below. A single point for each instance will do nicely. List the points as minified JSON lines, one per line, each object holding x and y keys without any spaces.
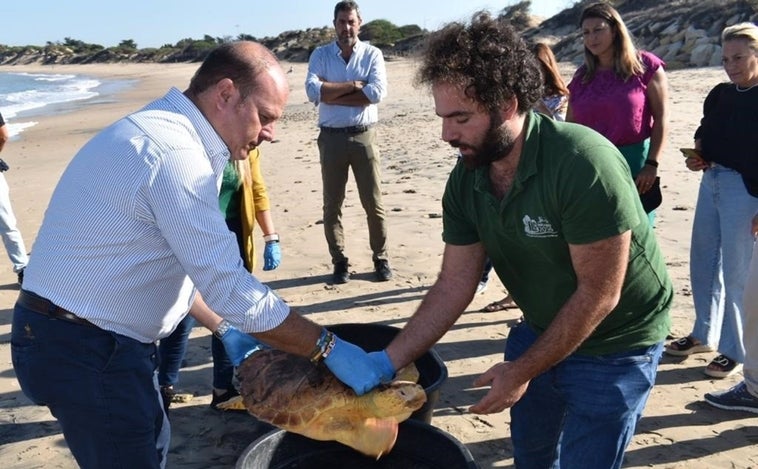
{"x":572,"y":186}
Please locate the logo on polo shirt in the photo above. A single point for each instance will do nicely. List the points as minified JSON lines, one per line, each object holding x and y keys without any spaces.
{"x":538,"y":228}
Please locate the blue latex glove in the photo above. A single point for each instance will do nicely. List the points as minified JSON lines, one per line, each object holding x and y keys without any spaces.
{"x":272,"y":255}
{"x":239,"y":345}
{"x":353,"y":366}
{"x":382,"y":361}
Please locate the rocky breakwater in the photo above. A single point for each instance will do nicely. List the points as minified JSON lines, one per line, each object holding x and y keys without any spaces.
{"x":683,"y":33}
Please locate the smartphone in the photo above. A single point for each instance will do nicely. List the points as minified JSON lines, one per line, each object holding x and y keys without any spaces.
{"x":690,"y":153}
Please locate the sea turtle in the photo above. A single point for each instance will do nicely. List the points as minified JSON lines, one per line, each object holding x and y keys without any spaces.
{"x":292,"y":393}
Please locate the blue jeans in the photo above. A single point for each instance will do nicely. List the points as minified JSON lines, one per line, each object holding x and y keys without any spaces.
{"x":486,"y":271}
{"x":720,"y":254}
{"x":751,"y":324}
{"x":223,"y":369}
{"x":101,"y":387}
{"x":582,"y":412}
{"x":173,"y":348}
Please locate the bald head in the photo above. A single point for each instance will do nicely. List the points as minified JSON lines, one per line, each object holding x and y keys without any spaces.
{"x":242,"y":62}
{"x":241,"y":90}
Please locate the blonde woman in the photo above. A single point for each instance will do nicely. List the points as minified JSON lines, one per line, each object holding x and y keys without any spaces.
{"x":727,"y":145}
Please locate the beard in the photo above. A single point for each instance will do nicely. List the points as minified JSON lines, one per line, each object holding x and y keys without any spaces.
{"x":498,"y":142}
{"x":347,"y":40}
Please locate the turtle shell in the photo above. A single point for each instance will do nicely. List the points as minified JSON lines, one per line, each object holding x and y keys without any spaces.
{"x":292,"y":393}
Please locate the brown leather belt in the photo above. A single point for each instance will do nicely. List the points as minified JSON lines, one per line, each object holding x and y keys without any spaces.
{"x":43,"y":306}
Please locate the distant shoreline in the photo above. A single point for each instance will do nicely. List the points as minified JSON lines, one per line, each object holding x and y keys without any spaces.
{"x":118,"y":83}
{"x":19,"y":121}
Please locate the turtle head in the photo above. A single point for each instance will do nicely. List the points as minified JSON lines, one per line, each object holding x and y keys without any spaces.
{"x":399,"y":398}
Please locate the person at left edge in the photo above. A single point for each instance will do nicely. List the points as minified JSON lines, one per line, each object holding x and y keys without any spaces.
{"x":12,"y":239}
{"x":132,"y":237}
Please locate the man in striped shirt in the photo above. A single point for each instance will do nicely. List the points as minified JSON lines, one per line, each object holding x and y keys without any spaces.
{"x":132,"y":236}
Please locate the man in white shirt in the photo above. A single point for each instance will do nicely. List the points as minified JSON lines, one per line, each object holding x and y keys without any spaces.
{"x":132,"y":236}
{"x":346,"y":80}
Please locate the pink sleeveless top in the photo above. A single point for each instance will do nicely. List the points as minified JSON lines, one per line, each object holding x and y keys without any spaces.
{"x":615,"y":108}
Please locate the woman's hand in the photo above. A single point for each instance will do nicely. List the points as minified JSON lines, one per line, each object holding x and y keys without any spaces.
{"x":696,"y":164}
{"x":646,"y":178}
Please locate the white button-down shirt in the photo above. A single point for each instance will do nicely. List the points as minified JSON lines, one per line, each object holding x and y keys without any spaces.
{"x":134,"y":224}
{"x":366,"y":64}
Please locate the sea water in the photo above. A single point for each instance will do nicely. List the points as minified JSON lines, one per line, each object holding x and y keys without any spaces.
{"x":26,"y":95}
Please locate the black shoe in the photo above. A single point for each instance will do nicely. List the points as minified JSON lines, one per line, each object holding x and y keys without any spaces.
{"x":21,"y":277}
{"x":341,"y":274}
{"x":167,"y":394}
{"x":382,"y":270}
{"x":229,"y":396}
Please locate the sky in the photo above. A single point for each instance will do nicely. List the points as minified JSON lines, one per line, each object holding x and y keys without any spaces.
{"x":153,"y":23}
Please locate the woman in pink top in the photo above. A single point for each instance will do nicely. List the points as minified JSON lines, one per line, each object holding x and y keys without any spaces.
{"x":620,"y":92}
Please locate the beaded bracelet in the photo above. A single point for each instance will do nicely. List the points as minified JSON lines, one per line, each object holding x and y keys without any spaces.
{"x":329,"y":346}
{"x":324,"y":346}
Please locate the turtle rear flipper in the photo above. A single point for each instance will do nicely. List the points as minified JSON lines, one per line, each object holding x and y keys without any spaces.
{"x":234,"y":403}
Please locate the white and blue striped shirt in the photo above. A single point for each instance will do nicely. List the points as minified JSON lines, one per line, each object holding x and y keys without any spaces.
{"x":134,"y":224}
{"x":366,"y":64}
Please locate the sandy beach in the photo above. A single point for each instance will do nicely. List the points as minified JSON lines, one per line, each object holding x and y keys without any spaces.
{"x":678,"y":429}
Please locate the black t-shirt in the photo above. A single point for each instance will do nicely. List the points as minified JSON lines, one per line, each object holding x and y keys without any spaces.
{"x":729,"y":131}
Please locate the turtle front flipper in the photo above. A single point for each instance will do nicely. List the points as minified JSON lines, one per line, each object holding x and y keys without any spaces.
{"x":376,"y":436}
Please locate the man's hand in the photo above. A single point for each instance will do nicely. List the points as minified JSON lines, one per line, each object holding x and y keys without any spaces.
{"x":239,"y":345}
{"x":506,"y":389}
{"x":354,"y":367}
{"x":386,"y":369}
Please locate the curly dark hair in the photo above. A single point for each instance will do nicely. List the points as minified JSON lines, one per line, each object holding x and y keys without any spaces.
{"x":487,"y":58}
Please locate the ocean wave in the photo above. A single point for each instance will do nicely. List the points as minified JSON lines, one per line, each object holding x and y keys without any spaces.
{"x":26,"y":94}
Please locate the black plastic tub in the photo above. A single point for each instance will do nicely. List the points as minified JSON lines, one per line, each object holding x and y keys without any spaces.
{"x":431,"y":368}
{"x":419,"y":446}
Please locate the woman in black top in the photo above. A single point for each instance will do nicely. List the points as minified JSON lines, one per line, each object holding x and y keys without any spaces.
{"x":726,"y":145}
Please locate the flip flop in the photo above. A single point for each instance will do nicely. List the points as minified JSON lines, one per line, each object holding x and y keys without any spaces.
{"x":502,"y":305}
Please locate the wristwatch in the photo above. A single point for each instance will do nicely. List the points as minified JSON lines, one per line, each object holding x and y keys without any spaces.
{"x":223,"y":328}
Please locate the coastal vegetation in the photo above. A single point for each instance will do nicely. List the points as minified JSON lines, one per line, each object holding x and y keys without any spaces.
{"x":684,"y":33}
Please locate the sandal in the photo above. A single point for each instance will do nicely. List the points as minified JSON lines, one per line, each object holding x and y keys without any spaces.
{"x":722,"y":366}
{"x":685,"y":346}
{"x":502,"y":305}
